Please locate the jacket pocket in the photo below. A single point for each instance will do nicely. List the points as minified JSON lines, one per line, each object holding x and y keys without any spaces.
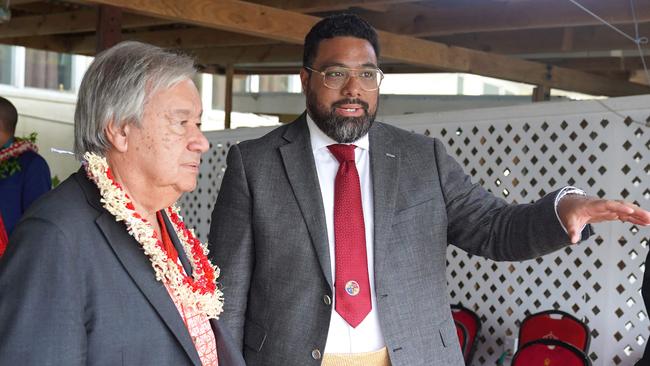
{"x":254,"y":336}
{"x":413,"y":212}
{"x":448,"y":337}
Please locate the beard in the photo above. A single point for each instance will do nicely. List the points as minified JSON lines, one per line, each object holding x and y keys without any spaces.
{"x":343,"y":130}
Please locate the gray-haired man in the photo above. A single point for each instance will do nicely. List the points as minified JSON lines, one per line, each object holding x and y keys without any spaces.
{"x":102,"y":271}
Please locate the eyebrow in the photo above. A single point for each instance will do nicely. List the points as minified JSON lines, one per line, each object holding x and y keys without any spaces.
{"x":330,"y":64}
{"x":182,"y":113}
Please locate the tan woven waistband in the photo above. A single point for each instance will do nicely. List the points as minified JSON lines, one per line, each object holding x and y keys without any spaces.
{"x":376,"y":358}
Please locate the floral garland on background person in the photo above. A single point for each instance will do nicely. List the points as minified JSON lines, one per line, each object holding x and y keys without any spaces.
{"x":9,"y":163}
{"x":199,"y":292}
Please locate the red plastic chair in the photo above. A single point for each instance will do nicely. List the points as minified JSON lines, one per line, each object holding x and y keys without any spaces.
{"x":549,"y":352}
{"x":462,"y":335}
{"x":555,"y":324}
{"x":472,"y":324}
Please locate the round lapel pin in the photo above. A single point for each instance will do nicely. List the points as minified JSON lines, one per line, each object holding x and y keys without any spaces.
{"x":352,"y":288}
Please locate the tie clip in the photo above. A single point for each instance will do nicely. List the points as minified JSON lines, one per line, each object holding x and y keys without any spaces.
{"x":390,"y":155}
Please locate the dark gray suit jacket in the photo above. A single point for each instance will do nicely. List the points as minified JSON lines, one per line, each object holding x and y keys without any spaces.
{"x":77,"y":289}
{"x":269,"y":236}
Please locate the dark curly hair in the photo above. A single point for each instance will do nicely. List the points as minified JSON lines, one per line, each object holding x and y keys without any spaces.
{"x":339,"y":25}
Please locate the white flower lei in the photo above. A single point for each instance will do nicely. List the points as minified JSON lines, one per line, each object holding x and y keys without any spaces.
{"x":199,"y":292}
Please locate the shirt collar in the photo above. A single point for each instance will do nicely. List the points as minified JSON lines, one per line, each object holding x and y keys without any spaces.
{"x":9,"y":142}
{"x":319,"y":140}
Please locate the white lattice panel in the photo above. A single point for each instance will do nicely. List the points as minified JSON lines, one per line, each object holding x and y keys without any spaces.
{"x":197,"y":205}
{"x":521,"y":153}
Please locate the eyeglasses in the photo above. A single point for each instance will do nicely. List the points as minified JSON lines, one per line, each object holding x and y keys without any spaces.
{"x":335,"y":77}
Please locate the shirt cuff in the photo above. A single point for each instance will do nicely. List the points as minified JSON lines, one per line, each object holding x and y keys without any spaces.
{"x":563,"y":192}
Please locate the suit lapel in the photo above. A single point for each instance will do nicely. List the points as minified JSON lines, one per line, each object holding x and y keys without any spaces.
{"x":137,"y":265}
{"x":299,"y":165}
{"x":228,"y":353}
{"x":177,"y":244}
{"x":384,"y":168}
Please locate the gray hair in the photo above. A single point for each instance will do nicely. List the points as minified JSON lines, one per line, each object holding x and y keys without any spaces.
{"x":117,"y":86}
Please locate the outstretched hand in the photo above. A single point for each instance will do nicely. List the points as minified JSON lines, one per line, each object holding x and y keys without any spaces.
{"x":576,"y":211}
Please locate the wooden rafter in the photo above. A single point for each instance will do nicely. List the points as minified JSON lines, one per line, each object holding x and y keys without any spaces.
{"x":314,"y":6}
{"x":580,"y":39}
{"x":67,"y":22}
{"x":185,"y":39}
{"x":490,"y":16}
{"x":262,"y":21}
{"x":268,"y":54}
{"x":46,"y":43}
{"x":601,"y":63}
{"x":109,"y":27}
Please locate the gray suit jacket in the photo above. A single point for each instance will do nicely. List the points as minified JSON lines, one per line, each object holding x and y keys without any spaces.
{"x":77,"y":289}
{"x":269,"y":236}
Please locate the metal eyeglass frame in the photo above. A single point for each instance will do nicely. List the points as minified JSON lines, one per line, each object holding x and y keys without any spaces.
{"x":322,"y":73}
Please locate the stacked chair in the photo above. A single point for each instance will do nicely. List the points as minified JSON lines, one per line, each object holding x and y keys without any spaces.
{"x":552,"y":338}
{"x":462,"y":335}
{"x":468,"y":326}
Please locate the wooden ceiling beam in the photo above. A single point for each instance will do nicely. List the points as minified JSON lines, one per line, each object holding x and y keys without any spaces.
{"x":291,"y":27}
{"x":267,"y":54}
{"x":45,"y":43}
{"x":315,"y":6}
{"x":196,"y":38}
{"x":420,"y":52}
{"x":489,"y":16}
{"x":601,"y":64}
{"x":579,"y":39}
{"x":67,"y":22}
{"x":23,"y":2}
{"x":186,"y":39}
{"x":230,"y":15}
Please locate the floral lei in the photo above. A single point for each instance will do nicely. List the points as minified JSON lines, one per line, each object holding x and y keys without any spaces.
{"x":198,"y":292}
{"x":8,"y":156}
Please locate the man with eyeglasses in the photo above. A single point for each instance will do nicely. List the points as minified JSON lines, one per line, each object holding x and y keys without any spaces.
{"x":332,"y":231}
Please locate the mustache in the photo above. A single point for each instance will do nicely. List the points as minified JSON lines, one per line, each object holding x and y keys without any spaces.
{"x":351,"y":101}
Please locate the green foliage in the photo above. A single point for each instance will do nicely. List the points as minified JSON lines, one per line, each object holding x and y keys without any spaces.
{"x":9,"y":167}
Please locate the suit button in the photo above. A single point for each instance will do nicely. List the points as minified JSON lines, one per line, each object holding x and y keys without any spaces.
{"x":327,"y":300}
{"x":315,"y":354}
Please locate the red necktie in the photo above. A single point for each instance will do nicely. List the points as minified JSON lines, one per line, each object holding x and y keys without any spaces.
{"x":166,"y":239}
{"x":351,"y":284}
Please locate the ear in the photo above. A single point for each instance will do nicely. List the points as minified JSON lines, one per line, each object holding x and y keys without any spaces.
{"x":118,"y":136}
{"x":304,"y":79}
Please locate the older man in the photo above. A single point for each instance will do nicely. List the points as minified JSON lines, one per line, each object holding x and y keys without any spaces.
{"x":102,"y":271}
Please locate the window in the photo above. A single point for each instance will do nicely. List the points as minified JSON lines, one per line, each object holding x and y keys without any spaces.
{"x":239,"y":85}
{"x":274,"y":83}
{"x":48,"y":70}
{"x":6,"y":63}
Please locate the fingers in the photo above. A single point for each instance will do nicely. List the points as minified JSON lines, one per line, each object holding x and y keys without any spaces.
{"x":609,"y":210}
{"x":629,"y":212}
{"x":576,"y":212}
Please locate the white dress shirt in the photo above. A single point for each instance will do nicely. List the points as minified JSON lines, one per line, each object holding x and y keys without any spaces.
{"x":367,"y":336}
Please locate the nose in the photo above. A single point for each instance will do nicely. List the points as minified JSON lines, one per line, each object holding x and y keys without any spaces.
{"x":352,"y":87}
{"x":199,"y":142}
